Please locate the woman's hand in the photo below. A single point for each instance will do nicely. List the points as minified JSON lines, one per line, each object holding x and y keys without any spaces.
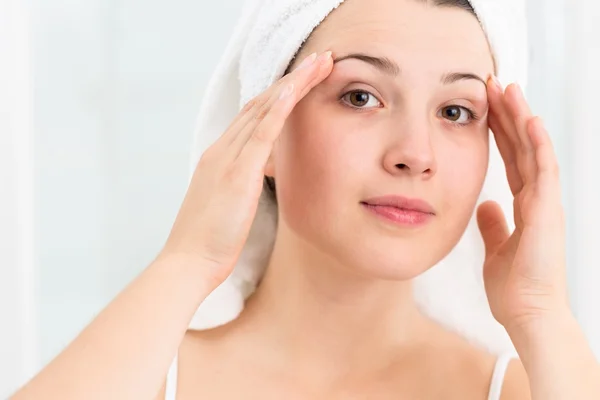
{"x":525,"y":272}
{"x":113,"y":359}
{"x":220,"y":204}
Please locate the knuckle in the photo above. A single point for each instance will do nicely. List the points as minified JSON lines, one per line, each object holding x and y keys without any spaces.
{"x":262,"y":113}
{"x":554,"y":169}
{"x":241,"y":177}
{"x":256,"y":102}
{"x":260,"y":135}
{"x":283,"y":81}
{"x":230,"y":176}
{"x":205,"y":159}
{"x":248,"y":106}
{"x":235,"y":179}
{"x":251,"y":104}
{"x":212,"y":155}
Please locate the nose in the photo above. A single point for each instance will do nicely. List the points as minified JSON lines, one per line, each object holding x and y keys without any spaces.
{"x":410,"y":152}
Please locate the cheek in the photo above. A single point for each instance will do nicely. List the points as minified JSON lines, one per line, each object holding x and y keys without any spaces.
{"x":317,"y":165}
{"x":462,"y":172}
{"x":460,"y":177}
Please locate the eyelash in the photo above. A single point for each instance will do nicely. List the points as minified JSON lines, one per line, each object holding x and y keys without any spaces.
{"x":473,"y":116}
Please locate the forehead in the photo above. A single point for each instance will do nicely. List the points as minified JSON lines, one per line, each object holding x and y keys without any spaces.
{"x":411,"y":32}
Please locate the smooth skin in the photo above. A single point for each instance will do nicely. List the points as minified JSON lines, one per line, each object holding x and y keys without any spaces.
{"x":525,"y":272}
{"x":126,"y":351}
{"x":525,"y":284}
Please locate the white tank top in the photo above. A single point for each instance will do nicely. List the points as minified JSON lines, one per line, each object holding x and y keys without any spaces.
{"x":494,"y":392}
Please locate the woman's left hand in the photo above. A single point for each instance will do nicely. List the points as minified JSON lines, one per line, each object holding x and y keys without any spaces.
{"x":524,"y":272}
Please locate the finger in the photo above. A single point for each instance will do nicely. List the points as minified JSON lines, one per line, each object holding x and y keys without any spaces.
{"x":521,"y":113}
{"x":304,"y":79}
{"x":547,"y":168}
{"x":507,"y":152}
{"x":303,"y":82}
{"x":499,"y":108}
{"x":265,"y":100}
{"x":492,"y":225}
{"x":256,"y":151}
{"x":250,"y":109}
{"x":250,"y":114}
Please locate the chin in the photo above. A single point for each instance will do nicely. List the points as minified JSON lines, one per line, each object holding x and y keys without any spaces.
{"x":399,"y":264}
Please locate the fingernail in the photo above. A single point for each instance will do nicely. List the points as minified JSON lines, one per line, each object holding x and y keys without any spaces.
{"x":497,"y":82}
{"x":308,"y":61}
{"x":287,"y":91}
{"x":519,"y":91}
{"x":323,"y":58}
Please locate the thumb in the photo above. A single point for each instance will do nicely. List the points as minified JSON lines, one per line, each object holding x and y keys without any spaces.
{"x":492,"y":226}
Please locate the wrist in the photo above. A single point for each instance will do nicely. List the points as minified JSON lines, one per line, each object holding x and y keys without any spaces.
{"x":540,"y":324}
{"x":537,"y":337}
{"x":191,"y":268}
{"x":557,"y":357}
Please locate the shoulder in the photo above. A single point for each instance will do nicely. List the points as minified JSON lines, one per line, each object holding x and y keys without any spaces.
{"x":516,"y":382}
{"x":469,"y":368}
{"x":465,"y":369}
{"x":477,"y":368}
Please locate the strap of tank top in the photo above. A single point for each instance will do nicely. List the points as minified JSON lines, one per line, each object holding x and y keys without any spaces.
{"x":171,"y":386}
{"x":494,"y":393}
{"x":498,"y":376}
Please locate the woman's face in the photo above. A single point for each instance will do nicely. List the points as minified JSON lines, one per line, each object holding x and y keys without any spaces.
{"x":419,"y":131}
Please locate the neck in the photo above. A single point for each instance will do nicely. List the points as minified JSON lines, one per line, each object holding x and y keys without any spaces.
{"x":313,"y":309}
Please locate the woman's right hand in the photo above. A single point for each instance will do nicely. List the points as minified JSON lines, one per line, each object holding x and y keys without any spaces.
{"x":126,"y":350}
{"x":214,"y":220}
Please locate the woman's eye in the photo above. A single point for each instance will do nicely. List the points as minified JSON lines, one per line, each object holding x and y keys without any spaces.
{"x":457,"y":114}
{"x":361,"y":99}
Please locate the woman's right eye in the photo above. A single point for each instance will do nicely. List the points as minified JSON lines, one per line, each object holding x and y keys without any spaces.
{"x":360,"y":98}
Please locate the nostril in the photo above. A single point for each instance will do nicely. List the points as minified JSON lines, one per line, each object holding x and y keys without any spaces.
{"x":401,"y":166}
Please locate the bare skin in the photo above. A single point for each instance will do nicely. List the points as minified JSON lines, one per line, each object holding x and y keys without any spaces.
{"x":459,"y":370}
{"x":334,"y":316}
{"x":364,"y":333}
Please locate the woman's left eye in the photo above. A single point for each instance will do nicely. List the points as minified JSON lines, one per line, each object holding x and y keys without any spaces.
{"x":361,"y":99}
{"x":457,"y":114}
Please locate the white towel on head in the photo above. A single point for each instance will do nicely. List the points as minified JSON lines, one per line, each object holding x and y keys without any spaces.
{"x":266,"y":38}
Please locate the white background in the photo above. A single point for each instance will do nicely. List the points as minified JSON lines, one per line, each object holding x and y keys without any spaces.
{"x":97,"y":106}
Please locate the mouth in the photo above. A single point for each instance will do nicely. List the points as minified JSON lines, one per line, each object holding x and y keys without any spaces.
{"x":400,"y":210}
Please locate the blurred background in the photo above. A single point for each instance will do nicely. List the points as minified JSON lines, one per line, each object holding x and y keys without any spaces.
{"x":98,"y":101}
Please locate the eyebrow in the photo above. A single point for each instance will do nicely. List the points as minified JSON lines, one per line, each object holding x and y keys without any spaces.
{"x":390,"y":67}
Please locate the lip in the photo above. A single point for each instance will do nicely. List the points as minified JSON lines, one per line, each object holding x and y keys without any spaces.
{"x":403,"y":203}
{"x":400,"y":210}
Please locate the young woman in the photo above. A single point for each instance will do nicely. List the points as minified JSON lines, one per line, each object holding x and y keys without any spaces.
{"x":395,"y":115}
